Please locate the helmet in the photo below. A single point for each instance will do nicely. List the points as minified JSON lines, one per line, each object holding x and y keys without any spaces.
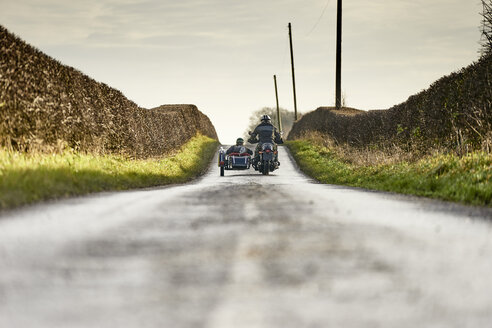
{"x":239,"y":141}
{"x":265,"y":118}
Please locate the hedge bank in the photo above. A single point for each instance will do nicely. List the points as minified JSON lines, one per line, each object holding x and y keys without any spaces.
{"x":45,"y":105}
{"x":454,"y":113}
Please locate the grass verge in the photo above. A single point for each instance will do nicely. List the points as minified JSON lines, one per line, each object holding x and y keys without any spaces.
{"x":466,"y":179}
{"x":27,"y":178}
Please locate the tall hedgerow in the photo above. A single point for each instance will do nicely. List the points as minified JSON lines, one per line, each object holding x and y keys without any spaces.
{"x":486,"y":27}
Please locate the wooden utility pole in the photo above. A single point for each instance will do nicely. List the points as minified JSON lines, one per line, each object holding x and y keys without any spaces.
{"x":279,"y":118}
{"x":338,"y":78}
{"x":293,"y":74}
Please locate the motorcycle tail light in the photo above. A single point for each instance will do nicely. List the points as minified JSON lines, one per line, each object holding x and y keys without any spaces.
{"x":268,"y":150}
{"x":222,"y":163}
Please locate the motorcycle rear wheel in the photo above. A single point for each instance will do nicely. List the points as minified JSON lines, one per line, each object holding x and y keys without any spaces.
{"x":266,"y":168}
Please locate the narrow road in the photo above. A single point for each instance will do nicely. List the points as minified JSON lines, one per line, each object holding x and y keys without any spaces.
{"x":246,"y":250}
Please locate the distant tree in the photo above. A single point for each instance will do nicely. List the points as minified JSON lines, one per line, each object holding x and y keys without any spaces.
{"x":287,"y":119}
{"x":486,"y":27}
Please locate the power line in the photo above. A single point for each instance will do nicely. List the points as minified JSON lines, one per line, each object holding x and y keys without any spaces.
{"x":319,"y":19}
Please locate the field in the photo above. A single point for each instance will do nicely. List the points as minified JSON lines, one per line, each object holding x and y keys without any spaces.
{"x":29,"y":177}
{"x":466,"y":179}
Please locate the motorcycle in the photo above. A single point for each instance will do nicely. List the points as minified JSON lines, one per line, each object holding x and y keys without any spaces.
{"x":266,"y":158}
{"x":267,"y":161}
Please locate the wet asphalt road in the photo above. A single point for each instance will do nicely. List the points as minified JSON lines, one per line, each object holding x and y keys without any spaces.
{"x":246,"y":250}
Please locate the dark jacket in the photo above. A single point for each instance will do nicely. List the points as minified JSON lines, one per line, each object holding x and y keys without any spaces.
{"x":239,"y":149}
{"x":265,"y":132}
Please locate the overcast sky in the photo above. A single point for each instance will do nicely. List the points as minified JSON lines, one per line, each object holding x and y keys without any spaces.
{"x":221,"y":54}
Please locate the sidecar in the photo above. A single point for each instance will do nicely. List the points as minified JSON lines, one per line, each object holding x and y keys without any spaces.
{"x":233,"y":161}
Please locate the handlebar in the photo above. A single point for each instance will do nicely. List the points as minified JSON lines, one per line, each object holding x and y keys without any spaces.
{"x":239,"y":154}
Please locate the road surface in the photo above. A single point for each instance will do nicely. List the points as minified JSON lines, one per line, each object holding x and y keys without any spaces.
{"x":246,"y":250}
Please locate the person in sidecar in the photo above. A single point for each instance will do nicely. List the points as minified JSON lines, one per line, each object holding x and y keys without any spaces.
{"x":239,"y":148}
{"x":265,"y":132}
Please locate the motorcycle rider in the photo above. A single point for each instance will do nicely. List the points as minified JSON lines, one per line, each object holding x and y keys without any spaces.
{"x":265,"y":132}
{"x":239,"y":148}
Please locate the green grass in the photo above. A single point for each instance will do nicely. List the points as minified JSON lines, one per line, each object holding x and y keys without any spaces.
{"x":27,"y":178}
{"x":466,"y":179}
